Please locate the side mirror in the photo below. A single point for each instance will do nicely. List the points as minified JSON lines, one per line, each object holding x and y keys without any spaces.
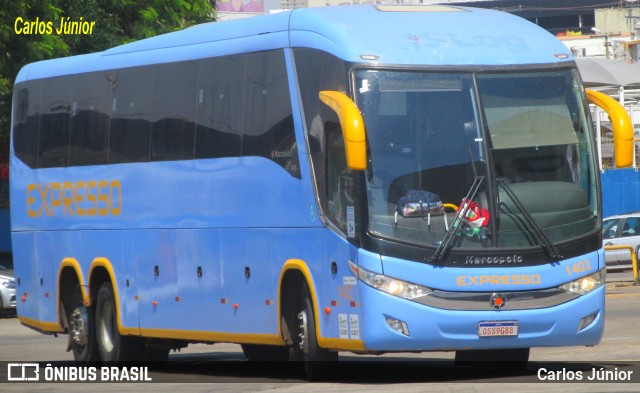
{"x":355,"y":140}
{"x":623,"y":141}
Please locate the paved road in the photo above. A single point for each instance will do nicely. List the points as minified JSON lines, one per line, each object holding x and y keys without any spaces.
{"x":204,"y":368}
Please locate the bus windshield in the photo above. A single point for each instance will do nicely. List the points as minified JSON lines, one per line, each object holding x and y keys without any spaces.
{"x":510,"y":151}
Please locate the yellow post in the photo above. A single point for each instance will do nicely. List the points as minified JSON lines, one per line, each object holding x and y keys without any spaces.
{"x":623,"y":142}
{"x":634,"y":259}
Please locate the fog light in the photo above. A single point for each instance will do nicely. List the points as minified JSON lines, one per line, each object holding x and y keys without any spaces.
{"x":398,"y":325}
{"x":587,"y":321}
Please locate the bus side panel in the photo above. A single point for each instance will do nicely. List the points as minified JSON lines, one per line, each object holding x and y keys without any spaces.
{"x":45,"y":278}
{"x":126,"y":280}
{"x":199,"y":279}
{"x":36,"y":282}
{"x":172,"y":293}
{"x":25,"y":266}
{"x":250,"y":281}
{"x":339,"y":290}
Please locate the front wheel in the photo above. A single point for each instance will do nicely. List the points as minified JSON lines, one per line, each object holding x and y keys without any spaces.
{"x":81,"y":329}
{"x":317,"y":361}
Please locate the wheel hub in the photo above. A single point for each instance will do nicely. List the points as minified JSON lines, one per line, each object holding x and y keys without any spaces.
{"x":79,"y":325}
{"x":303,"y":335}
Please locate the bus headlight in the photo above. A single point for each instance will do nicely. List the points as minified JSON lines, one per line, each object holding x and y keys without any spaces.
{"x":390,"y":285}
{"x":586,"y":284}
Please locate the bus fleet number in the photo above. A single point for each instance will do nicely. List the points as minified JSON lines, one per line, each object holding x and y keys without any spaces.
{"x":578,"y":267}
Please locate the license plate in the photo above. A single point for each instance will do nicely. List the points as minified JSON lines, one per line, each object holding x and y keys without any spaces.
{"x":497,"y":328}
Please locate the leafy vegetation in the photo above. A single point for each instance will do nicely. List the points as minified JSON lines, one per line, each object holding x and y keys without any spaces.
{"x":116,"y":22}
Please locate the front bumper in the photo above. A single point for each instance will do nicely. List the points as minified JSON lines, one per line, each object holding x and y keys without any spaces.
{"x":435,"y":329}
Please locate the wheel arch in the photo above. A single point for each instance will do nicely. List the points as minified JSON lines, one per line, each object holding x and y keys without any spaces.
{"x":69,"y":275}
{"x":102,"y":271}
{"x":294,"y":272}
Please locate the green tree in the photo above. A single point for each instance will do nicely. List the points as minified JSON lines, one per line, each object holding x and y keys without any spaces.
{"x":117,"y":22}
{"x":18,"y":50}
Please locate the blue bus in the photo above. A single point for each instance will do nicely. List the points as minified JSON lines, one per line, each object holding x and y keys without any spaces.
{"x":366,"y":178}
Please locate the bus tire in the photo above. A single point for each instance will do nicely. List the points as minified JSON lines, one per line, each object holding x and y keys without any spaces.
{"x":317,"y":361}
{"x":82,"y":328}
{"x":261,"y":353}
{"x":112,"y":346}
{"x":514,"y":359}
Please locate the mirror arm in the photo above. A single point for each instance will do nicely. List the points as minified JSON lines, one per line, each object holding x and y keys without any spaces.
{"x":355,"y":140}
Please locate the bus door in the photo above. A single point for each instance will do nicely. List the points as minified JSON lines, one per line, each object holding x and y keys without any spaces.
{"x":342,"y":210}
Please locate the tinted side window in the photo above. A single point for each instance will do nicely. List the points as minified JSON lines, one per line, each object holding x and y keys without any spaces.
{"x":268,"y":128}
{"x":631,"y":227}
{"x":53,"y":138}
{"x":609,"y":228}
{"x":26,"y":117}
{"x":220,"y":97}
{"x":90,"y":111}
{"x":340,"y":181}
{"x":130,"y":105}
{"x":319,"y":71}
{"x":174,"y":111}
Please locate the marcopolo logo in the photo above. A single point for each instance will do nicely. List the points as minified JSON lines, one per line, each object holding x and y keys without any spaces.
{"x":495,"y":260}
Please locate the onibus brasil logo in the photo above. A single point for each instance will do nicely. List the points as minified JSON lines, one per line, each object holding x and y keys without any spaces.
{"x":31,"y":372}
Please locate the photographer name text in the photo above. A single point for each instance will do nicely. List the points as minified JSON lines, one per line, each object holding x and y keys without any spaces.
{"x":601,"y":374}
{"x":67,"y":26}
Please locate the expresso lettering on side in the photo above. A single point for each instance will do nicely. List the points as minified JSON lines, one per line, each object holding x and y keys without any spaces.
{"x":80,"y":198}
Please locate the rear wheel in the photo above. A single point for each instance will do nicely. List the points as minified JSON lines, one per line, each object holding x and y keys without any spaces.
{"x":81,"y":329}
{"x":317,"y":361}
{"x":112,"y":346}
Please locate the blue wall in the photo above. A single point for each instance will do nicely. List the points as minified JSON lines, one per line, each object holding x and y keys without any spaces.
{"x":620,"y":191}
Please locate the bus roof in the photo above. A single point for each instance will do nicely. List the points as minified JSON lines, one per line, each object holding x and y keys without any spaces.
{"x":401,"y":35}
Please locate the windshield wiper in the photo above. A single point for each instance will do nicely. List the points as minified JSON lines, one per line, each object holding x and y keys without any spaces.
{"x":445,"y":244}
{"x":547,"y":245}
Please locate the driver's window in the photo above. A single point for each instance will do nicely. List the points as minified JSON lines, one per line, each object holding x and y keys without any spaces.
{"x":609,"y":229}
{"x":340,"y":185}
{"x":631,"y":227}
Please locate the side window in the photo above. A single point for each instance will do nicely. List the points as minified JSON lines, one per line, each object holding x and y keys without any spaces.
{"x":174,"y":111}
{"x":609,"y":228}
{"x":90,"y":112}
{"x":319,"y":71}
{"x":219,"y":108}
{"x":26,"y":118}
{"x":631,"y":227}
{"x":268,"y":128}
{"x":340,"y":180}
{"x":53,"y":137}
{"x":130,"y":106}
